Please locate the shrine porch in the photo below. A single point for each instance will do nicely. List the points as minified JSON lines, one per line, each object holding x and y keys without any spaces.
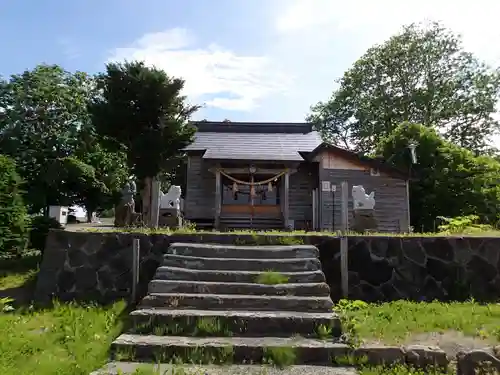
{"x":252,"y":196}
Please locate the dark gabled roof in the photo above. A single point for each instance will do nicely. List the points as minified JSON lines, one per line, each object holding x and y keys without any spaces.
{"x":270,"y":142}
{"x":254,"y":141}
{"x":347,"y":154}
{"x":253,"y":127}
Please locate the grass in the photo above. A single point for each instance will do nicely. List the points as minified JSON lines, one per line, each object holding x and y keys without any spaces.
{"x":396,"y":322}
{"x":63,"y":339}
{"x":271,"y":278}
{"x":16,"y":272}
{"x":191,"y":230}
{"x":66,"y":339}
{"x":12,"y":279}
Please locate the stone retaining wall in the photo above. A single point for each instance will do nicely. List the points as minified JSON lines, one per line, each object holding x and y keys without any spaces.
{"x":97,"y":265}
{"x":424,"y":268}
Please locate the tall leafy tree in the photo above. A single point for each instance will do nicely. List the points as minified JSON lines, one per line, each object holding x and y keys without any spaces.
{"x":451,"y":182}
{"x":421,"y":75}
{"x":142,"y":111}
{"x":108,"y":171}
{"x":41,"y":111}
{"x":45,"y":126}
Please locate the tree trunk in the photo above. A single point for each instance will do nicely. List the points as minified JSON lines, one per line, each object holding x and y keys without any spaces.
{"x":146,"y":201}
{"x":89,"y":210}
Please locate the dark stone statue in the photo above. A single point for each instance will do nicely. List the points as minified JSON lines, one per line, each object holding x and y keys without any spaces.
{"x":125,"y":210}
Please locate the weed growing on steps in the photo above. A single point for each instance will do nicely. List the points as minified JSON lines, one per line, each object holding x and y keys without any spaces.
{"x":211,"y":326}
{"x":362,"y":367}
{"x":271,"y":277}
{"x":123,"y":354}
{"x":279,"y":356}
{"x":350,"y":360}
{"x":401,"y":370}
{"x":186,"y":326}
{"x":323,"y":332}
{"x":171,"y":329}
{"x":173,"y":370}
{"x":200,"y":355}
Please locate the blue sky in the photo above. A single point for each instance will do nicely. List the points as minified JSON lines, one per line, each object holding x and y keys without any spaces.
{"x":250,"y":60}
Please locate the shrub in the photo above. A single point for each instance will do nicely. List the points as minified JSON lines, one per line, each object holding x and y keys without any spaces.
{"x":40,"y":226}
{"x":13,"y":214}
{"x":109,"y":213}
{"x":463,"y":224}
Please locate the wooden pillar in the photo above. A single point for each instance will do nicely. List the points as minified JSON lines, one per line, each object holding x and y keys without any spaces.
{"x":155,"y":202}
{"x":344,"y":249}
{"x":217,"y":199}
{"x":408,"y":217}
{"x":285,"y":199}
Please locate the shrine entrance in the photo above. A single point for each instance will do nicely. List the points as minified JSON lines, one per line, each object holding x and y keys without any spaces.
{"x":259,"y":200}
{"x":251,"y":197}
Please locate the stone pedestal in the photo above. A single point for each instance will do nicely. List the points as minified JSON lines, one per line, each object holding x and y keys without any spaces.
{"x":364,"y":220}
{"x":124,"y":214}
{"x":170,"y":217}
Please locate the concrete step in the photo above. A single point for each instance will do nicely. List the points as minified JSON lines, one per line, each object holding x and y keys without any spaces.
{"x":278,"y":265}
{"x":176,"y":273}
{"x":237,"y":302}
{"x":134,"y":368}
{"x":218,"y":350}
{"x":245,"y":252}
{"x":234,"y":323}
{"x":203,"y":287}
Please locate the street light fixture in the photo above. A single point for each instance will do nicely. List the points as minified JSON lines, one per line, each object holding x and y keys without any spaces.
{"x":412,"y":146}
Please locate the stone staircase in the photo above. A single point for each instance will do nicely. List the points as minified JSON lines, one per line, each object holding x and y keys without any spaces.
{"x":205,"y":304}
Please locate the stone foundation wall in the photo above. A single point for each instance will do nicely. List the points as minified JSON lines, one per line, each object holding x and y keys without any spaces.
{"x":424,"y":268}
{"x":97,"y":266}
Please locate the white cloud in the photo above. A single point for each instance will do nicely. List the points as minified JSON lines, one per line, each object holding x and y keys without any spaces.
{"x":336,"y":33}
{"x":374,"y":21}
{"x":233,"y":82}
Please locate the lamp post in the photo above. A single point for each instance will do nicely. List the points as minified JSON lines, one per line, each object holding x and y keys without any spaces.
{"x":413,"y":146}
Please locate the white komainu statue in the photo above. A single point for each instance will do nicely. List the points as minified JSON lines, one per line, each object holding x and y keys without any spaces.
{"x":172,"y":199}
{"x":361,"y":199}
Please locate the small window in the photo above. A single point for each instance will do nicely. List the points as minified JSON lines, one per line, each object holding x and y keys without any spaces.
{"x":374,"y":172}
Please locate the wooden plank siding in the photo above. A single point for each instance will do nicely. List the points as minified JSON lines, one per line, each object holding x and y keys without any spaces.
{"x":391,"y":201}
{"x":200,"y":190}
{"x":302,"y":184}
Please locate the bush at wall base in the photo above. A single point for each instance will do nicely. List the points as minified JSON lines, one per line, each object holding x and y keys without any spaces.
{"x":40,"y":226}
{"x":14,"y":222}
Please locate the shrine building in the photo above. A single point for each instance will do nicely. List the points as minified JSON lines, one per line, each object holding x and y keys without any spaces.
{"x":282,"y":175}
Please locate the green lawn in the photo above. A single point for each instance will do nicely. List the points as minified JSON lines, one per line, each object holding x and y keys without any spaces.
{"x":406,"y":322}
{"x":16,"y":272}
{"x":65,"y":339}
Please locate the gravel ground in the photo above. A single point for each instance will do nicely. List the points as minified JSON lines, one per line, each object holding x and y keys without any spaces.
{"x":105,"y":223}
{"x":128,"y":368}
